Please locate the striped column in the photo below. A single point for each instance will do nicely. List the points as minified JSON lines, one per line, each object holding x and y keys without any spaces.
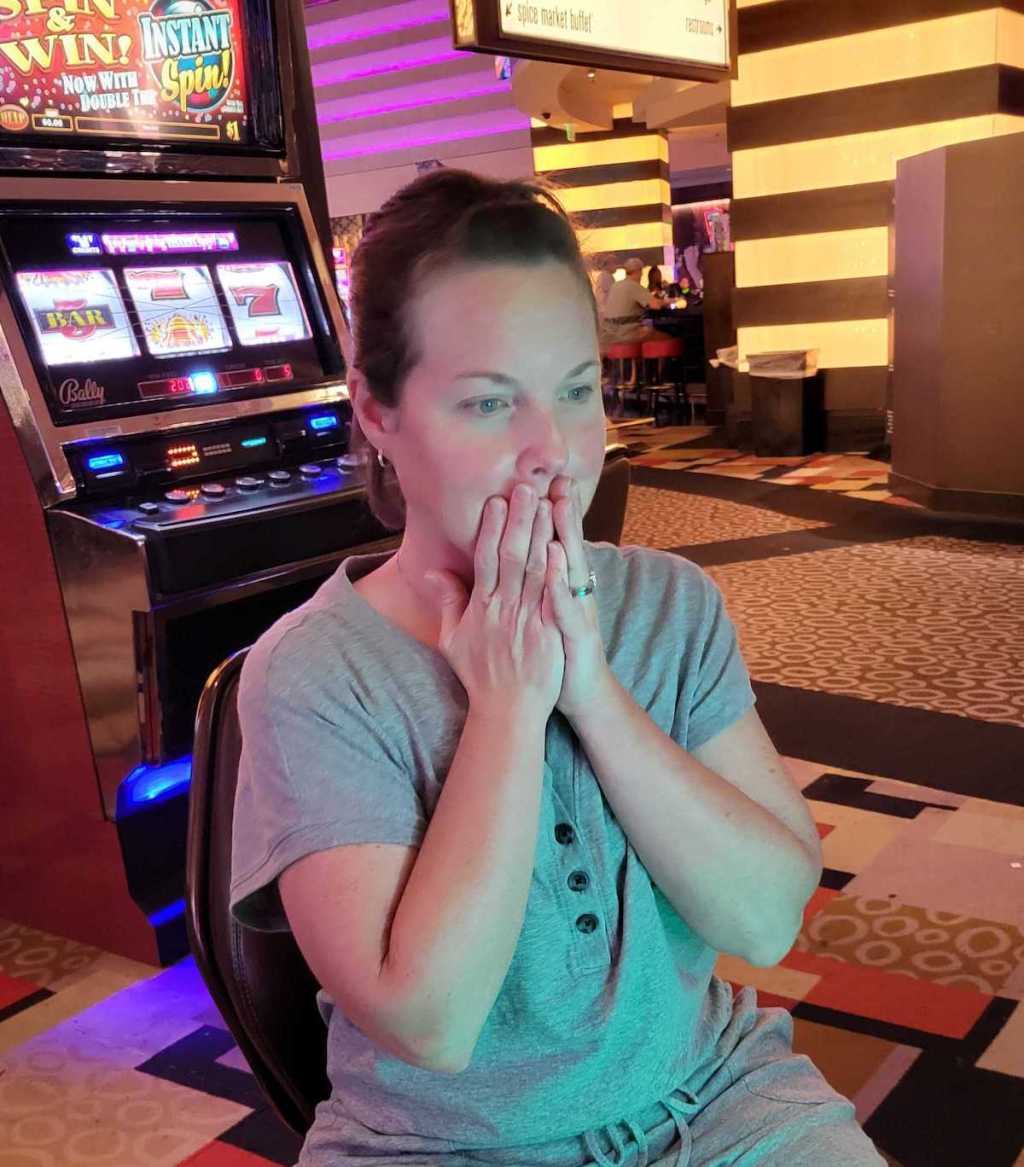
{"x":616,"y":182}
{"x":829,"y":96}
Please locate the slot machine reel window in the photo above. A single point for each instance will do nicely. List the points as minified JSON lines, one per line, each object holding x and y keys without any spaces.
{"x":264,"y":302}
{"x":78,"y":317}
{"x":177,"y":309}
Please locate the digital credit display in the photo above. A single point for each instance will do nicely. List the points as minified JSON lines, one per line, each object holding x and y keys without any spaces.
{"x":143,"y":69}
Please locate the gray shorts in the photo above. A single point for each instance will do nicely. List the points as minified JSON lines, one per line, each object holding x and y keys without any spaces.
{"x":755,"y":1103}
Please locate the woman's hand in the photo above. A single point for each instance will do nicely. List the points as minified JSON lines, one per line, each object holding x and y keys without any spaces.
{"x":586,"y":667}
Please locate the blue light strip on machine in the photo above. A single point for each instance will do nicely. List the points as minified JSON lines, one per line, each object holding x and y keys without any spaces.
{"x":250,"y":443}
{"x":147,"y":786}
{"x":165,"y":915}
{"x":324,"y":421}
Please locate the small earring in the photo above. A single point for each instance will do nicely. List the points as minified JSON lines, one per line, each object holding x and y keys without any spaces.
{"x":382,"y":461}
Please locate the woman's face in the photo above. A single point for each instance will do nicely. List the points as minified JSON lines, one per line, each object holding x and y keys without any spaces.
{"x":507,"y":390}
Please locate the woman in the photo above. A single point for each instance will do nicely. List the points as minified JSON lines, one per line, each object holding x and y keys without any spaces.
{"x":466,"y":763}
{"x":656,"y":283}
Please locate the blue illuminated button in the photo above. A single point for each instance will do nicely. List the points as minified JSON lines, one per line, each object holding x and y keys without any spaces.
{"x":309,"y":470}
{"x":248,"y":482}
{"x":279,"y":476}
{"x":204,"y":382}
{"x":104,"y":462}
{"x":325,"y":421}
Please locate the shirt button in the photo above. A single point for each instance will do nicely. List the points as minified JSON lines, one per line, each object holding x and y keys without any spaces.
{"x":579,"y":881}
{"x":586,"y":923}
{"x":564,"y":833}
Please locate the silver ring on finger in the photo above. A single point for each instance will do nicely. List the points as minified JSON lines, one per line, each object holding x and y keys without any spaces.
{"x":587,"y":589}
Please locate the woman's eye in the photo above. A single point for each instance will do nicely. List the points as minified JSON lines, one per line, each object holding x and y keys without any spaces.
{"x":586,"y":390}
{"x":487,"y":401}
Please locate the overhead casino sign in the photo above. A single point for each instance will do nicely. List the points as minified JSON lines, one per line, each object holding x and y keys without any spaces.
{"x":688,"y":39}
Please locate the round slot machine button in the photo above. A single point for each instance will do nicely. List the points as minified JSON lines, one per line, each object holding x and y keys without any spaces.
{"x":280,"y":476}
{"x":149,"y":508}
{"x":248,"y":482}
{"x":177,"y":496}
{"x":212,"y":489}
{"x":309,"y":470}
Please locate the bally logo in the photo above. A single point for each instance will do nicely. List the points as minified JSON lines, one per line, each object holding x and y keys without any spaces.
{"x":72,"y":392}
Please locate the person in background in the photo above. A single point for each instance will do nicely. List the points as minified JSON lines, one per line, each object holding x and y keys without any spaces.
{"x":605,"y":265}
{"x":656,"y":284}
{"x":692,"y":239}
{"x":624,"y":321}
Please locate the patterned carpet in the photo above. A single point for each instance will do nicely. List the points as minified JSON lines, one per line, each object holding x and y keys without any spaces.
{"x":885,"y":648}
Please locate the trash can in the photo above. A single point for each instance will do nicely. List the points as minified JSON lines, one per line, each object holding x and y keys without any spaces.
{"x":787,"y":403}
{"x":735,"y":396}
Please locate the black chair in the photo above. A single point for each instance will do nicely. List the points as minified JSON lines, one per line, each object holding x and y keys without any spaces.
{"x":260,"y":981}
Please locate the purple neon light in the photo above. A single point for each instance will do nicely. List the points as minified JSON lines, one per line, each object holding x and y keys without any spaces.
{"x":324,"y":77}
{"x":395,"y":107}
{"x":322,"y":40}
{"x":507,"y":124}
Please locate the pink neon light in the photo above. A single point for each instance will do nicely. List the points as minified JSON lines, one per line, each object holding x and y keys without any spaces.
{"x":323,"y":77}
{"x":315,"y":41}
{"x":507,"y":125}
{"x":466,"y":94}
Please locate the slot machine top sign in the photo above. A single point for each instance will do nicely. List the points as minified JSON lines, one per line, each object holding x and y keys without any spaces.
{"x":143,"y":69}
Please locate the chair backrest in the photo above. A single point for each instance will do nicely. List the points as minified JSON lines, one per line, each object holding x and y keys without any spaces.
{"x":260,"y":981}
{"x":606,"y":516}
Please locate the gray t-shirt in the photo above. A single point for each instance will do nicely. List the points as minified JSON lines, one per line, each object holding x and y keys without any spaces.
{"x":349,"y":728}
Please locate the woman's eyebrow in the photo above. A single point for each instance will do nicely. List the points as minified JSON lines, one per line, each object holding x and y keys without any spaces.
{"x":504,"y":379}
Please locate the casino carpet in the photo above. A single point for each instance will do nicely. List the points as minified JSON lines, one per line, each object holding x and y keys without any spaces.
{"x":884,"y":644}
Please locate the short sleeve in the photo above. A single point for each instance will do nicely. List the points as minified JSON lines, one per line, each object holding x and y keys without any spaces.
{"x":714,"y":681}
{"x":315,"y":772}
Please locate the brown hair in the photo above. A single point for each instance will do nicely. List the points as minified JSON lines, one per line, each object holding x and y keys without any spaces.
{"x":443,"y":219}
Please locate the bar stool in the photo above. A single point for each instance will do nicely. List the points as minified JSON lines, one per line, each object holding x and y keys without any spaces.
{"x":619,"y":354}
{"x":661,"y":350}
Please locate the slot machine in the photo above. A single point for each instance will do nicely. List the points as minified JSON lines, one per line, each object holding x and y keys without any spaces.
{"x":174,"y":426}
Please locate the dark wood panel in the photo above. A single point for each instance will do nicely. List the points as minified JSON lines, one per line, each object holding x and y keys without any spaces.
{"x":836,"y":208}
{"x":794,"y":22}
{"x":807,"y":303}
{"x":623,"y":216}
{"x":711,"y":191}
{"x":869,"y":108}
{"x":608,"y":172}
{"x":621,"y":128}
{"x":649,"y":255}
